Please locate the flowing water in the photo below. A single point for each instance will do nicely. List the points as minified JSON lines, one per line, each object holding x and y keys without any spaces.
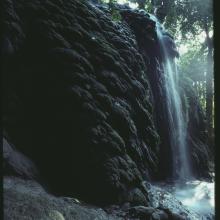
{"x":193,"y":200}
{"x":197,"y":196}
{"x":177,"y":119}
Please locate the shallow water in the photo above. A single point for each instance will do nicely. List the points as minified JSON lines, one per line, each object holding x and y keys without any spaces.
{"x":193,"y":199}
{"x":197,"y":195}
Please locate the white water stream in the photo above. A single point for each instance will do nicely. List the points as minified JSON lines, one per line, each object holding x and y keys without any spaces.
{"x":197,"y":195}
{"x":193,"y":200}
{"x":176,"y":118}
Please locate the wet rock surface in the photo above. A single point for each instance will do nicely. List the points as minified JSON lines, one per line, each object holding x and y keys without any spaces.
{"x":183,"y":200}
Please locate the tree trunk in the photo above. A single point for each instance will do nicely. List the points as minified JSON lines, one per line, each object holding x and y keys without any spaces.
{"x":209,"y":89}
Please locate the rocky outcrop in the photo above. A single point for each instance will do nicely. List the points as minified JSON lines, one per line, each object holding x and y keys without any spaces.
{"x":78,"y":99}
{"x":83,"y":98}
{"x":152,"y":53}
{"x":26,"y":199}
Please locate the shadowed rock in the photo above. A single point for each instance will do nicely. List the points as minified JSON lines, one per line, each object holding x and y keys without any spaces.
{"x":78,"y":101}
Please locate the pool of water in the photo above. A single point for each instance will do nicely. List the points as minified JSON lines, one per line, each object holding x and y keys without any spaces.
{"x":194,"y":200}
{"x":197,"y":195}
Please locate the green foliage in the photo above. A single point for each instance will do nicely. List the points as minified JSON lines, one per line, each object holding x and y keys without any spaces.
{"x":193,"y":69}
{"x":194,"y":15}
{"x":141,"y":3}
{"x":116,"y":15}
{"x":112,"y":2}
{"x":189,"y":16}
{"x":114,"y":12}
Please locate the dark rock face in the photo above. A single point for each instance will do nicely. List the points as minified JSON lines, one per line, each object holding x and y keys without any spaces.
{"x":83,"y":98}
{"x":202,"y":155}
{"x":149,"y":47}
{"x":78,"y":99}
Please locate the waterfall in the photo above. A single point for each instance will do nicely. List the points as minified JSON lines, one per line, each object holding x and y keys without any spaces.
{"x":196,"y":195}
{"x":177,"y":120}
